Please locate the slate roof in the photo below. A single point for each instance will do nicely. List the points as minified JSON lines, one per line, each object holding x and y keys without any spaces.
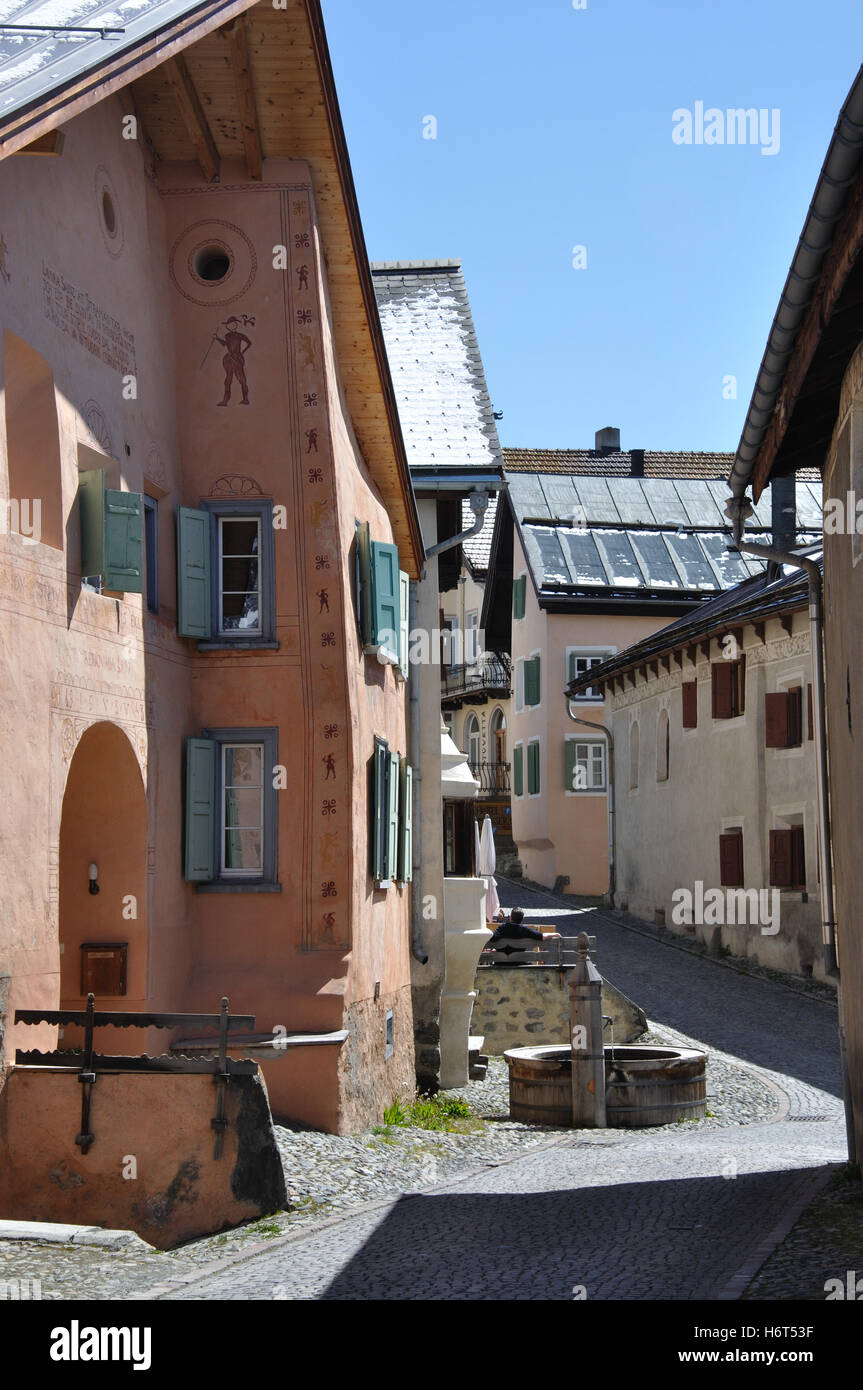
{"x":435,"y":363}
{"x":33,"y":64}
{"x":753,"y":599}
{"x":587,"y":534}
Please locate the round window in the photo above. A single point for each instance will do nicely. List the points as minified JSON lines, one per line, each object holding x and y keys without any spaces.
{"x":212,"y":263}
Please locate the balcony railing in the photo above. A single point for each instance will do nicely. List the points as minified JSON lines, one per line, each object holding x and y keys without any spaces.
{"x":491,"y":674}
{"x":493,"y":778}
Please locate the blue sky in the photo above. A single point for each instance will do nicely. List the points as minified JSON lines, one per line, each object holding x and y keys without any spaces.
{"x":554,"y":130}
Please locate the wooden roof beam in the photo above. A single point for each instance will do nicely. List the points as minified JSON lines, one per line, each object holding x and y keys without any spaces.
{"x":50,"y":144}
{"x":237,"y":35}
{"x":193,"y":117}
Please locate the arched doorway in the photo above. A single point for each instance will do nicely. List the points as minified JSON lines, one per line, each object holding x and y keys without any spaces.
{"x":103,"y":843}
{"x":497,"y":729}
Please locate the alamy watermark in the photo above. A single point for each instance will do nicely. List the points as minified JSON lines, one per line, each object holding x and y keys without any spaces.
{"x":23,"y":516}
{"x":736,"y":125}
{"x":720,"y":907}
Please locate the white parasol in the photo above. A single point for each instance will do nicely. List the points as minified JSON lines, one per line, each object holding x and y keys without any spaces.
{"x":486,"y":865}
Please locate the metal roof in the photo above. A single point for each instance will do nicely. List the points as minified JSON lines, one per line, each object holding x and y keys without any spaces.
{"x":33,"y":64}
{"x":659,"y":534}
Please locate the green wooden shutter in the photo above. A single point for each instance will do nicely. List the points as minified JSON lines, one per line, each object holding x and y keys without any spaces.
{"x":364,"y":582}
{"x":406,"y":837}
{"x":392,"y":864}
{"x":518,"y":769}
{"x":91,"y":512}
{"x":193,"y":573}
{"x":572,"y":661}
{"x":404,"y":621}
{"x":200,"y":808}
{"x":519,"y":589}
{"x":379,"y":811}
{"x":385,"y":597}
{"x":533,"y":768}
{"x":569,"y":765}
{"x":531,"y":681}
{"x":124,"y":541}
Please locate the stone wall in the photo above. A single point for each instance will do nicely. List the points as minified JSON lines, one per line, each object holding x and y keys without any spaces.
{"x":524,"y":1005}
{"x":369,"y":1081}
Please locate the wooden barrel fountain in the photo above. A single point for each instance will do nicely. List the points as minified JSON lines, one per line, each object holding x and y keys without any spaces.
{"x":643,"y":1085}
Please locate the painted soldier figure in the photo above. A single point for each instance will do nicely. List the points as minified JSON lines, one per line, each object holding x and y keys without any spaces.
{"x":234,"y":359}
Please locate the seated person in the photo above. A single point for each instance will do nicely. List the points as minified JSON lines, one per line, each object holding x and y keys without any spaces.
{"x":508,"y":933}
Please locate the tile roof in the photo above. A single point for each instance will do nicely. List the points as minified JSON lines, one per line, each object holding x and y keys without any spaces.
{"x":435,"y":362}
{"x":661,"y":463}
{"x":585,"y":534}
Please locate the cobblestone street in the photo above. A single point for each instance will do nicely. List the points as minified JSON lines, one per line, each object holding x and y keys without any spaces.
{"x":681,"y":1212}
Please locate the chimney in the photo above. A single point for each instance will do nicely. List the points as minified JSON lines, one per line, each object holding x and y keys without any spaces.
{"x":636,"y":463}
{"x":783,"y":513}
{"x":607,"y":441}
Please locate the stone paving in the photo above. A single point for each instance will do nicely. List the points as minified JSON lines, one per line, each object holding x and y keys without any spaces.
{"x":679,"y":1212}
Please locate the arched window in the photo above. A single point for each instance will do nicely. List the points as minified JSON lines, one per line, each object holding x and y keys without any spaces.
{"x":35,"y":498}
{"x":497,"y":727}
{"x":471,"y":738}
{"x":662,"y":747}
{"x":633,"y":755}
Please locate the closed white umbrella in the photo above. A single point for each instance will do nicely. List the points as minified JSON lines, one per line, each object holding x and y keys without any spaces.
{"x":476,"y":847}
{"x":487,"y":863}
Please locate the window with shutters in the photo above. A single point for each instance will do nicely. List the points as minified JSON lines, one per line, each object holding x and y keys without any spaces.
{"x":391,"y":831}
{"x":731,"y":858}
{"x":533,"y":786}
{"x":578,"y":661}
{"x":584,"y":765}
{"x":406,"y":816}
{"x":633,"y":755}
{"x":112,"y":535}
{"x":382,"y":594}
{"x":783,"y":718}
{"x":519,"y":593}
{"x":532,"y":691}
{"x":689,"y":698}
{"x":226,"y":581}
{"x":662,"y":746}
{"x":518,"y":770}
{"x":151,"y":551}
{"x":232,"y":809}
{"x":404,"y":624}
{"x":788,"y":858}
{"x":728,"y":688}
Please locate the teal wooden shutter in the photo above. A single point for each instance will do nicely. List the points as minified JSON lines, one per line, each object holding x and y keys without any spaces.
{"x":91,"y":513}
{"x":572,"y":661}
{"x":124,"y":541}
{"x":193,"y":573}
{"x":531,"y":681}
{"x":392,"y":864}
{"x":364,"y":582}
{"x":379,"y":806}
{"x":404,"y":634}
{"x":533,"y":768}
{"x":569,"y":766}
{"x":406,"y":837}
{"x":518,"y":769}
{"x":200,"y":808}
{"x":519,"y":589}
{"x":385,"y":597}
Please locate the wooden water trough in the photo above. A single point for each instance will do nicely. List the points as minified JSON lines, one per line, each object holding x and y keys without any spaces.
{"x":643,"y":1085}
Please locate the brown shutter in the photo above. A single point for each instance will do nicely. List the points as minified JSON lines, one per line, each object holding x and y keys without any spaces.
{"x":795,"y":716}
{"x":739,"y":686}
{"x":731,"y":859}
{"x":689,"y":690}
{"x":780,"y":858}
{"x":809,"y":734}
{"x":776,"y":720}
{"x":798,"y":857}
{"x":722,"y":674}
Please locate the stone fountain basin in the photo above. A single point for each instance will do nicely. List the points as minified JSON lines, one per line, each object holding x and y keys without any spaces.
{"x":643,"y":1085}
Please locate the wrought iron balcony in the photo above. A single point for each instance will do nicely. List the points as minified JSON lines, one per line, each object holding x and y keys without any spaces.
{"x":493,"y":778}
{"x":491,"y":674}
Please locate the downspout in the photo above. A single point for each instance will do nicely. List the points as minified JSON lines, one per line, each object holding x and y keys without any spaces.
{"x":738,"y":509}
{"x":478,"y":505}
{"x":603,"y":729}
{"x":417,"y":949}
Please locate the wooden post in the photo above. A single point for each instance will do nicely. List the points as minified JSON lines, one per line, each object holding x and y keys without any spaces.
{"x":585,"y":1030}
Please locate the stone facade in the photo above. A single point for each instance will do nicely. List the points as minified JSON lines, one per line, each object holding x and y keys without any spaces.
{"x":529,"y":1004}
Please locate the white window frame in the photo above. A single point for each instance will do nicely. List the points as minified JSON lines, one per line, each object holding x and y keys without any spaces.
{"x":532,"y":796}
{"x":238,"y":633}
{"x":596,"y":655}
{"x":593,"y":743}
{"x":471,"y":638}
{"x":468,"y":736}
{"x":224,"y":871}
